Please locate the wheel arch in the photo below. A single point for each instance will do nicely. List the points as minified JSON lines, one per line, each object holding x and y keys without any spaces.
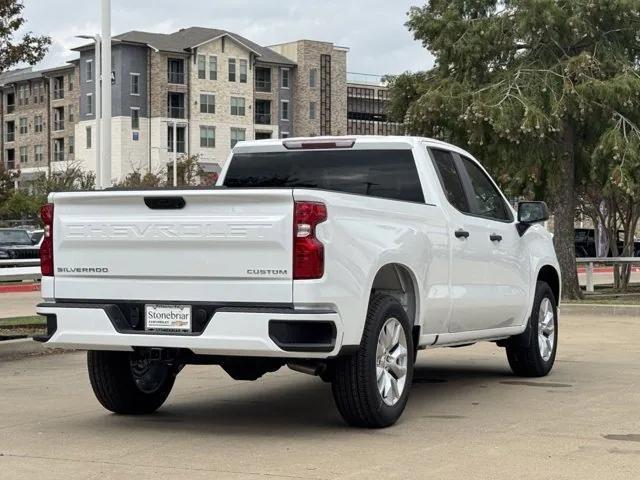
{"x":399,"y":281}
{"x":551,"y":277}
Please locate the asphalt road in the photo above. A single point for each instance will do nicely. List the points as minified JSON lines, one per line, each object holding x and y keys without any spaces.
{"x":467,"y":417}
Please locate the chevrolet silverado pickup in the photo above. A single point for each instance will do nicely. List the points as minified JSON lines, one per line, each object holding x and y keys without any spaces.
{"x":334,"y":256}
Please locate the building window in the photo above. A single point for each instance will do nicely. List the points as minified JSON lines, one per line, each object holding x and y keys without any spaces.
{"x":88,"y":132}
{"x":135,"y":118}
{"x":10,"y":131}
{"x":72,"y":144}
{"x":202,"y":67}
{"x":37,"y":124}
{"x":23,"y":95}
{"x":263,"y":112}
{"x":70,"y":81}
{"x":24,"y":126}
{"x":285,"y":135}
{"x":207,"y":103}
{"x":284,"y":73}
{"x":135,"y":83}
{"x":175,"y":70}
{"x":207,"y":136}
{"x":284,"y":110}
{"x":312,"y":110}
{"x":243,"y":71}
{"x":175,"y":105}
{"x":89,"y":76}
{"x":180,"y":139}
{"x":237,"y":135}
{"x":89,"y":103}
{"x":71,"y":119}
{"x":232,"y":69}
{"x":58,"y":88}
{"x":39,"y":153}
{"x":237,"y":106}
{"x":213,"y":67}
{"x":36,"y":92}
{"x":10,"y":102}
{"x":58,"y":149}
{"x":23,"y":155}
{"x":58,"y":119}
{"x":313,"y":73}
{"x":263,"y":79}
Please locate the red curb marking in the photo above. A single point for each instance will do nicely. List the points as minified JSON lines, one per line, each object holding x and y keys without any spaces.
{"x":20,"y":287}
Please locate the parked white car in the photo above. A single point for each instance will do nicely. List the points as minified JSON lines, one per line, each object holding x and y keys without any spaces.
{"x":340,"y":257}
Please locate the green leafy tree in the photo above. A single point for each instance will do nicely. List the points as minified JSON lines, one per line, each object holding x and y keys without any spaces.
{"x":545,"y":92}
{"x":29,"y":48}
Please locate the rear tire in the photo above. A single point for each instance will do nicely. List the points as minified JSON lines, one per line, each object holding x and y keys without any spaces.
{"x":127,"y":385}
{"x":369,"y":387}
{"x":533,"y":353}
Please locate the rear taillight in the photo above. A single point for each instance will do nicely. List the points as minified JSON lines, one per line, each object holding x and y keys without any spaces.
{"x":46,"y":249}
{"x":308,"y":251}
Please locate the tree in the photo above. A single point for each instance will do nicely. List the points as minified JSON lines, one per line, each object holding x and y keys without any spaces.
{"x":28,"y":49}
{"x":546,"y":93}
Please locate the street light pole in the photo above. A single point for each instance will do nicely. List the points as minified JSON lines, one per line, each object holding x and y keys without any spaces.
{"x":106,"y":93}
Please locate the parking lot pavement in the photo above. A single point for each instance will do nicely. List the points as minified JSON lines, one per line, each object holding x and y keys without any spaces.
{"x":19,"y":304}
{"x":467,"y":417}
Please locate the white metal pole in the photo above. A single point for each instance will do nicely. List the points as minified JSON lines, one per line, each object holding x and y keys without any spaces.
{"x":175,"y":153}
{"x":98,"y":111}
{"x":106,"y":92}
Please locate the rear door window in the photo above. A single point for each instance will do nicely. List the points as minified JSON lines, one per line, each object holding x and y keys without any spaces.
{"x":390,"y":174}
{"x":450,"y":179}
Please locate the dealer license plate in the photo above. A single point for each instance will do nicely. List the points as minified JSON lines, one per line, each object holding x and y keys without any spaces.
{"x":167,"y":318}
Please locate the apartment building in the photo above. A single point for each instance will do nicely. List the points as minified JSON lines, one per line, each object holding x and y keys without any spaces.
{"x":212,"y":87}
{"x":38,"y":112}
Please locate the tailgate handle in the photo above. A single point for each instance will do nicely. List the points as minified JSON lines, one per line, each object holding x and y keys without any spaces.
{"x":164,"y":203}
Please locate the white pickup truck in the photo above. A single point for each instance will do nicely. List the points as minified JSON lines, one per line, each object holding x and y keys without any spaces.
{"x":339,"y":257}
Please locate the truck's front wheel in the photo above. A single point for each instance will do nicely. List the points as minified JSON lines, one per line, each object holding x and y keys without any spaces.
{"x":129,"y":384}
{"x":371,"y":387}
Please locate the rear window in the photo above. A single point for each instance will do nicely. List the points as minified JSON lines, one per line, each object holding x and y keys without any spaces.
{"x":377,"y":173}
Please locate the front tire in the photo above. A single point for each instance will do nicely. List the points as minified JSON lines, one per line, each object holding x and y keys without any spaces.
{"x":127,"y":384}
{"x":371,"y":387}
{"x":533,"y":353}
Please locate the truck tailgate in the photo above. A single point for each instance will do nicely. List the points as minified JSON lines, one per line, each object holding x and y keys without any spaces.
{"x":222,"y":246}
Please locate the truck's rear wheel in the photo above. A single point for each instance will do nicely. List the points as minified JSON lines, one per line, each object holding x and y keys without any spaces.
{"x":371,"y":387}
{"x":533,"y":353}
{"x":128,"y":384}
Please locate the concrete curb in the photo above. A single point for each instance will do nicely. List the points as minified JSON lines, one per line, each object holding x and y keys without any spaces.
{"x":601,"y":309}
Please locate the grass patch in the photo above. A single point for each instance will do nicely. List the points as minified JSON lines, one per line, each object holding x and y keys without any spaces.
{"x":32,"y":321}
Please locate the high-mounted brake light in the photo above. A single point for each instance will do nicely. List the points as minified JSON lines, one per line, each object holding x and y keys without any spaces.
{"x":308,"y":251}
{"x":319,"y":143}
{"x":46,"y":249}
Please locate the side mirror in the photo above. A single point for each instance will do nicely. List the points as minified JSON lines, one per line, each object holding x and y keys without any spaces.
{"x":530,"y":213}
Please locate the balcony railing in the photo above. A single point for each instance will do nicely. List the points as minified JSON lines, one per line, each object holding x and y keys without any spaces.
{"x":11,"y":108}
{"x":263,"y":118}
{"x":58,"y":94}
{"x":11,"y":136}
{"x":11,"y":164}
{"x":176,"y":112}
{"x":263,"y":85}
{"x":176,"y":77}
{"x":59,"y":125}
{"x":58,"y":156}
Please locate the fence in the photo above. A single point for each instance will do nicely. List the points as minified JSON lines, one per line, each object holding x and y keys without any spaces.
{"x":590,"y":261}
{"x":18,"y":270}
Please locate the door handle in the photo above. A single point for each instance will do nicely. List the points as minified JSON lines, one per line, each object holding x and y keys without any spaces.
{"x":460,"y":233}
{"x":494,"y":237}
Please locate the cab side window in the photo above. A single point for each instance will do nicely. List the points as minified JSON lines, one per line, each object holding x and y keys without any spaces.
{"x":450,"y":179}
{"x":488,"y":201}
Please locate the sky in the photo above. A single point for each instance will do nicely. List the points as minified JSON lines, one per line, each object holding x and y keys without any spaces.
{"x":373,"y":30}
